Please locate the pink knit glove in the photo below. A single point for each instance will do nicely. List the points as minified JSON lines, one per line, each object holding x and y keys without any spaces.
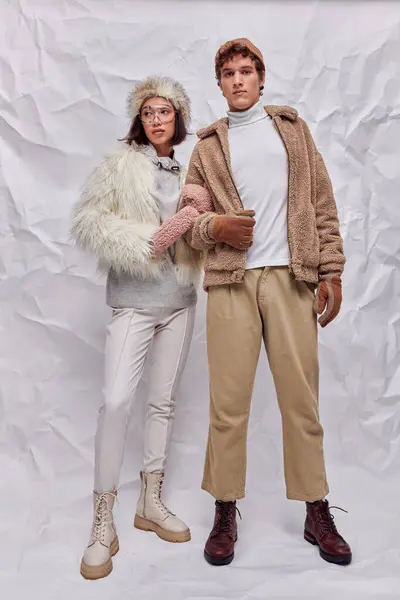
{"x":173,"y":228}
{"x":195,"y":199}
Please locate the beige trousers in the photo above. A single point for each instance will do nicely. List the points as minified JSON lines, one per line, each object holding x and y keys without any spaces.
{"x":269,"y":304}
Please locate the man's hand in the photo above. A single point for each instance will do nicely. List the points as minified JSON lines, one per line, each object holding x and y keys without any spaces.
{"x":245,"y":212}
{"x":328,"y":300}
{"x":235,"y":230}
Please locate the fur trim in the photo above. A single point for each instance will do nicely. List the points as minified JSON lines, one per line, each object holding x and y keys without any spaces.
{"x":117,"y":217}
{"x":165,"y":87}
{"x":189,"y":263}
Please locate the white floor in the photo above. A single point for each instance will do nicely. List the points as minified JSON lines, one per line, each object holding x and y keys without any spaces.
{"x":41,"y":551}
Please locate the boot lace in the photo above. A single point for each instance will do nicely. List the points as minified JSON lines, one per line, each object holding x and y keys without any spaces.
{"x":226,"y":514}
{"x":157,"y":496}
{"x":100,"y":518}
{"x":326,"y":520}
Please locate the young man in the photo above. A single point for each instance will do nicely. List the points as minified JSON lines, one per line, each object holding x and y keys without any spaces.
{"x":265,"y":279}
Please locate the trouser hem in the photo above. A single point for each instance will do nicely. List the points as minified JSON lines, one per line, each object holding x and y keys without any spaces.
{"x":223,"y":497}
{"x":290,"y":495}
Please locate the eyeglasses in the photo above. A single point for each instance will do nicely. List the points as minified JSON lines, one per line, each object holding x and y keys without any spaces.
{"x":165,"y":114}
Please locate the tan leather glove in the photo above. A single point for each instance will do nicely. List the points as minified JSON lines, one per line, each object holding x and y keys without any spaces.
{"x":328,"y":300}
{"x":234,"y":229}
{"x":246,"y":212}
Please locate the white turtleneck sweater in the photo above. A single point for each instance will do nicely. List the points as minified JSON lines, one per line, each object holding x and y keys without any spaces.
{"x":260,"y":173}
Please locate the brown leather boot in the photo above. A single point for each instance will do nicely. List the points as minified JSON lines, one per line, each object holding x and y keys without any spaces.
{"x":320,"y":530}
{"x":219,"y":548}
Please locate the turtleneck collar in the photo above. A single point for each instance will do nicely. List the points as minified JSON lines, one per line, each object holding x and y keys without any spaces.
{"x":245,"y":117}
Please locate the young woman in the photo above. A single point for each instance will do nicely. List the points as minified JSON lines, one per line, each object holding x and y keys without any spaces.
{"x":128,"y":217}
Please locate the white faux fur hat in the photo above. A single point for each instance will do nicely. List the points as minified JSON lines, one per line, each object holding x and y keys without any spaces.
{"x":164,"y":87}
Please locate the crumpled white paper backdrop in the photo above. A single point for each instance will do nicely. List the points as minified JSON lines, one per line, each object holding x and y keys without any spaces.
{"x":66,"y":67}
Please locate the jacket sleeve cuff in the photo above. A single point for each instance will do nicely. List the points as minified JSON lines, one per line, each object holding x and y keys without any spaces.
{"x":209,"y":229}
{"x":205,"y":230}
{"x":331,"y":275}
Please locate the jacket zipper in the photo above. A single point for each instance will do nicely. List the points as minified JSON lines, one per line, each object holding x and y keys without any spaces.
{"x":229,"y":167}
{"x":276,"y":125}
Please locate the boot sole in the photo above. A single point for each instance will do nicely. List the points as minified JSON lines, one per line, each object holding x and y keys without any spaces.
{"x":176,"y":537}
{"x":219,"y":562}
{"x":342,"y":560}
{"x":99,"y":571}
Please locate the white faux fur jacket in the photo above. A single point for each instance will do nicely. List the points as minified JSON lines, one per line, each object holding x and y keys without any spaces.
{"x":117,"y":216}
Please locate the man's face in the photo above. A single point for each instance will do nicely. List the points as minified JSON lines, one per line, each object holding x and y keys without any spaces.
{"x":240,"y":83}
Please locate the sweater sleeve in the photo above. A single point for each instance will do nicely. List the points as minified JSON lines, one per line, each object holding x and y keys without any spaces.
{"x":332,"y":259}
{"x":199,"y":235}
{"x":121,"y":244}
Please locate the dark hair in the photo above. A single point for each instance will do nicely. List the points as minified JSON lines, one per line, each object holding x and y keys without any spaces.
{"x":235,"y":50}
{"x":138,"y":135}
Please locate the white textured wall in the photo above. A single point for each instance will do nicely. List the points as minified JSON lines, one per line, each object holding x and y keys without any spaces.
{"x":66,"y":67}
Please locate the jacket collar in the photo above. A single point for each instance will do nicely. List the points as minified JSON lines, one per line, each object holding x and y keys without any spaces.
{"x":163,"y":162}
{"x":271,"y":110}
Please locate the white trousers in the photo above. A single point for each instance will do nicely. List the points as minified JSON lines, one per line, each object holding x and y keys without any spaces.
{"x":129,"y":335}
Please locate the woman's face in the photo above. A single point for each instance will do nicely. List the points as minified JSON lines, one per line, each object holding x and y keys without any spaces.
{"x":158,"y":119}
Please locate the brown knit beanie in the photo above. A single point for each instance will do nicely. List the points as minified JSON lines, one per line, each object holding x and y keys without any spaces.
{"x":230,"y":44}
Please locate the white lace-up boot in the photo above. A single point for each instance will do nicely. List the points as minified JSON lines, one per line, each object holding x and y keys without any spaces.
{"x":97,"y":559}
{"x":153,"y":515}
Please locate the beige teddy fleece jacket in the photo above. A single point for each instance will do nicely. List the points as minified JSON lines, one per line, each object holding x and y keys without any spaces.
{"x":316,"y":246}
